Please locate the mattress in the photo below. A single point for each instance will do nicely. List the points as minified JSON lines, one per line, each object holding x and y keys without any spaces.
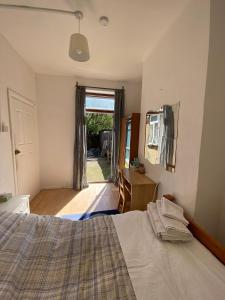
{"x":108,"y":257}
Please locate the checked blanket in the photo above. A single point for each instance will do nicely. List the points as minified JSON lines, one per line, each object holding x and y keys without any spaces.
{"x":44,"y":257}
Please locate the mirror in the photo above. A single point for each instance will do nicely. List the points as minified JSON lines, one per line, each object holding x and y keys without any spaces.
{"x":161,"y":136}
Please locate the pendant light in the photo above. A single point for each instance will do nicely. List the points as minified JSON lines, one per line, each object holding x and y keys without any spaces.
{"x":79,"y":50}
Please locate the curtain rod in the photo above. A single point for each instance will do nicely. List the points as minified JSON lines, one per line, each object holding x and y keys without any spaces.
{"x":41,"y":9}
{"x":99,"y":88}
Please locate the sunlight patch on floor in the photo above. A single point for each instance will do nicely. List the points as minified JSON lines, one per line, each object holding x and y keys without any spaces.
{"x":97,"y":197}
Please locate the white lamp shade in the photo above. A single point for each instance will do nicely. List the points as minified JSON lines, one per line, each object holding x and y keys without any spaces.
{"x":79,"y":50}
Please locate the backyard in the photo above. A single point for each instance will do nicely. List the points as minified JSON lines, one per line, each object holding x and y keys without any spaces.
{"x":98,"y":169}
{"x":99,"y":137}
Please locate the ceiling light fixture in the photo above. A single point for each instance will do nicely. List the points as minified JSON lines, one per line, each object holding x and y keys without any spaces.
{"x":78,"y":49}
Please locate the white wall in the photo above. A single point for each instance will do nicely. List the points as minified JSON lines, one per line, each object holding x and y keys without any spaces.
{"x":210,"y":202}
{"x":56,"y":112}
{"x":16,"y":75}
{"x":176,"y":71}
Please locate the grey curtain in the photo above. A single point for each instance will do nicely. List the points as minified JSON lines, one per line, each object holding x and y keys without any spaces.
{"x":80,"y":150}
{"x":119,"y":111}
{"x":166,"y":155}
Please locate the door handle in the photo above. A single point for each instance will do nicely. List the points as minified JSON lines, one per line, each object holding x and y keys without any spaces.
{"x":17,"y":152}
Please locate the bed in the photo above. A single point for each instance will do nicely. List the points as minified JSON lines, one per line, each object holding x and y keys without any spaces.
{"x":107,"y":257}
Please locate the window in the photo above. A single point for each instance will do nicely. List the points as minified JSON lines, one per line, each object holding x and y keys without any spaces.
{"x":154,"y":136}
{"x":98,"y":103}
{"x":100,"y":100}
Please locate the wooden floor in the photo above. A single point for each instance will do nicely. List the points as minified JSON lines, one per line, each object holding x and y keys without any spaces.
{"x":97,"y":197}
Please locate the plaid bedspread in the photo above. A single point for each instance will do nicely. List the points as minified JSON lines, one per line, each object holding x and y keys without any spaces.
{"x":43,"y":257}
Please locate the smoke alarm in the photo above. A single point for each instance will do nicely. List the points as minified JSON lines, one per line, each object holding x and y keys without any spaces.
{"x":104,"y":21}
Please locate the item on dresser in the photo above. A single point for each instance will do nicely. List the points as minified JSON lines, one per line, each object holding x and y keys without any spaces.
{"x":172,"y":210}
{"x":137,"y":166}
{"x":135,"y":163}
{"x":166,"y":228}
{"x":5,"y":197}
{"x":141,"y":169}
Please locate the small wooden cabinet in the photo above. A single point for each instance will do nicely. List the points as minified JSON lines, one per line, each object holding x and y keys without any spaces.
{"x":129,"y":139}
{"x":136,"y":191}
{"x":17,"y":204}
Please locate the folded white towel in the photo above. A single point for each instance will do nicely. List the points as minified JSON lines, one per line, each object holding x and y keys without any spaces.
{"x":173,"y":211}
{"x":168,"y":232}
{"x":171,"y":225}
{"x":157,"y":225}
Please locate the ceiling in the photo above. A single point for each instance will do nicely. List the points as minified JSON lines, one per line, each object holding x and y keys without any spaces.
{"x":116,"y":51}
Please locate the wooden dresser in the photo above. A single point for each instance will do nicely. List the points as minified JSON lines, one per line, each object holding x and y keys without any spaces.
{"x":136,"y":190}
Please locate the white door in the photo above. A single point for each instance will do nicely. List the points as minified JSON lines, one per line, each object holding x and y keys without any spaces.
{"x":22,"y":119}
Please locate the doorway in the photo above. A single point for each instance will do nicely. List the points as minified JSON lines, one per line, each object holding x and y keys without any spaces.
{"x":23,"y":130}
{"x":99,"y":105}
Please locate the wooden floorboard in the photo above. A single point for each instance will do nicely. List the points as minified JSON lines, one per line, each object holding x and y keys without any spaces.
{"x":97,"y":197}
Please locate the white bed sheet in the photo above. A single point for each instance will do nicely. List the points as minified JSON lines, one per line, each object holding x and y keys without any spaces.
{"x":162,"y":270}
